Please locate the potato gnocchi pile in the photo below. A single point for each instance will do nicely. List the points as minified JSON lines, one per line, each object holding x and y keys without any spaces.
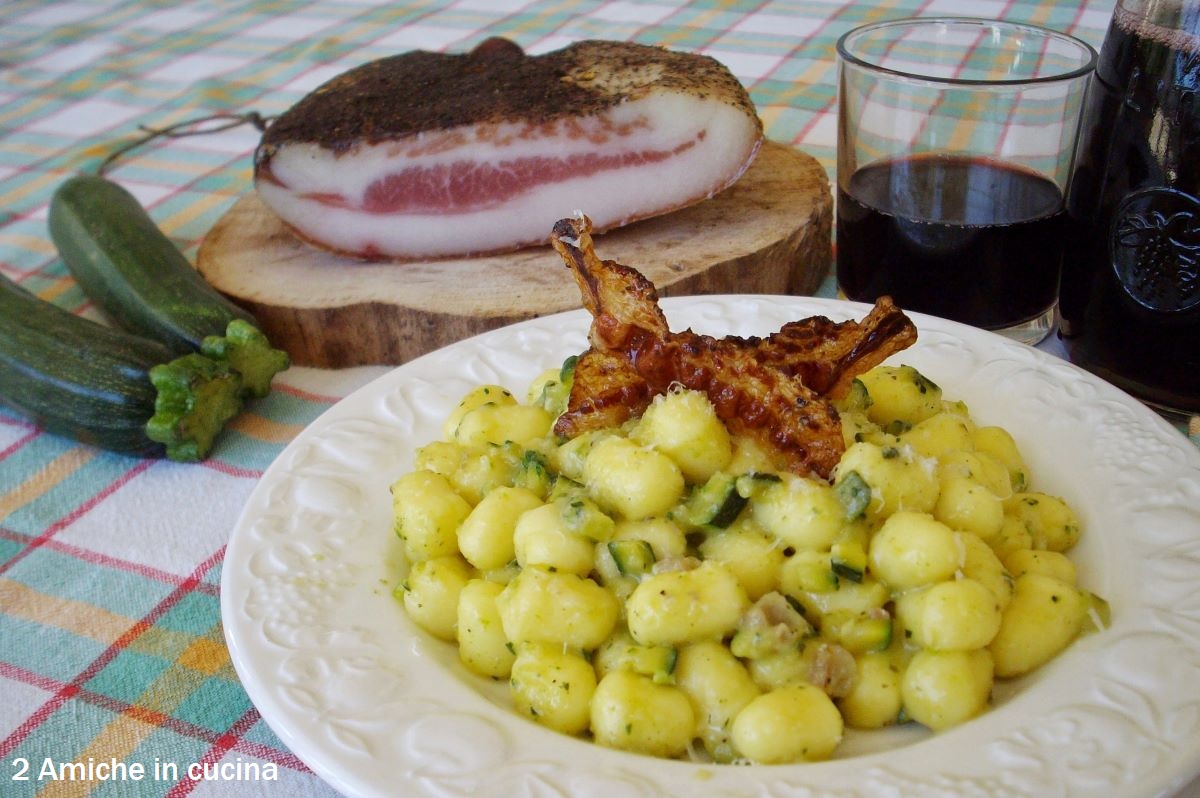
{"x":660,"y":588}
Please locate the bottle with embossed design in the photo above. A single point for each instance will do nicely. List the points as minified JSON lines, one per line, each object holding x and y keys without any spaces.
{"x":1129,"y":307}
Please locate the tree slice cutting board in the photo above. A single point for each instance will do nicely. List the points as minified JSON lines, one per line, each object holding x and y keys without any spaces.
{"x":769,"y":233}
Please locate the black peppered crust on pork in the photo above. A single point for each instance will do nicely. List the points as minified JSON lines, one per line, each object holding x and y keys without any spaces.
{"x":417,"y":92}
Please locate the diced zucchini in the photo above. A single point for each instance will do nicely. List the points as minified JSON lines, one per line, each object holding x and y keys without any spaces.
{"x":566,"y":488}
{"x":748,"y":485}
{"x":854,"y":493}
{"x":716,"y":503}
{"x":856,"y":400}
{"x":858,"y":632}
{"x":869,"y":594}
{"x":568,"y":459}
{"x":533,"y":473}
{"x":811,"y":572}
{"x":555,"y":393}
{"x":609,"y":575}
{"x":621,"y":653}
{"x":580,"y":514}
{"x":659,"y":665}
{"x":848,"y":559}
{"x":584,"y":517}
{"x":759,"y":643}
{"x":484,"y":469}
{"x":751,"y":643}
{"x":633,"y":557}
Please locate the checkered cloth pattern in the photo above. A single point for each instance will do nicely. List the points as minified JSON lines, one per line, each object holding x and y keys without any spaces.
{"x":1024,"y":123}
{"x":111,"y":648}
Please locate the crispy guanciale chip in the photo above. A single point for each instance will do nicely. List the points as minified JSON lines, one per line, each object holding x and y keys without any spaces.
{"x":776,"y":390}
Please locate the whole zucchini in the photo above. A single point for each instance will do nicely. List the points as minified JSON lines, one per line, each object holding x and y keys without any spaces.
{"x":106,"y":387}
{"x":138,"y":277}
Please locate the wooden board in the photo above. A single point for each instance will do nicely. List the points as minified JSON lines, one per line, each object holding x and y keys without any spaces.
{"x":768,"y":233}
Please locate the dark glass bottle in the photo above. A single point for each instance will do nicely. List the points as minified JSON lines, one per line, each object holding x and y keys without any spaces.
{"x":1130,"y":296}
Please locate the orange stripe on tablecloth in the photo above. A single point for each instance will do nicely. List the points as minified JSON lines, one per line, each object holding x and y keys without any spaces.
{"x":73,"y":688}
{"x":164,"y":695}
{"x":116,"y":741}
{"x":78,"y":618}
{"x":800,"y":84}
{"x":264,"y":429}
{"x":56,"y":289}
{"x":72,"y":516}
{"x":960,"y":137}
{"x":43,"y":480}
{"x":201,"y":205}
{"x":28,"y":242}
{"x":30,"y":103}
{"x":1040,"y":15}
{"x":22,"y":190}
{"x":156,"y":718}
{"x":300,"y":393}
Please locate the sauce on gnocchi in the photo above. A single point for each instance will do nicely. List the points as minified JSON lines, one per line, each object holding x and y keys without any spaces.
{"x":659,"y":588}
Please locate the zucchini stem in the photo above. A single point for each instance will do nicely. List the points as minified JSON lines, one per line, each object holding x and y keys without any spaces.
{"x":197,"y":396}
{"x":248,"y":352}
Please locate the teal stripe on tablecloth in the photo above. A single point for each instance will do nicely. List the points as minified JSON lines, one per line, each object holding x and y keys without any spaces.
{"x":214,"y":704}
{"x":83,"y":483}
{"x":121,"y":592}
{"x":186,"y":166}
{"x":45,"y":650}
{"x":29,"y":256}
{"x":245,"y":453}
{"x":128,"y":676}
{"x":9,"y":547}
{"x":194,"y":615}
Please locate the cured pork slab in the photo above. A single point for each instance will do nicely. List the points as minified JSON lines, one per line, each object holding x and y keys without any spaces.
{"x":429,"y":155}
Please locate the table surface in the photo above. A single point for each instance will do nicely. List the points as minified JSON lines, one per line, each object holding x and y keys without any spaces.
{"x":111,"y":645}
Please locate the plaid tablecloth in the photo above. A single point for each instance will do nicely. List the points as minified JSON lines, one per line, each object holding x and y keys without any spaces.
{"x":111,"y":648}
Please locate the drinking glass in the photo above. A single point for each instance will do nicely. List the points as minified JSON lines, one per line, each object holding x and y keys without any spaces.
{"x":955,"y":142}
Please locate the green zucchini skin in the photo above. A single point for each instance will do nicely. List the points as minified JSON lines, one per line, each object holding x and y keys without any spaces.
{"x":75,"y":377}
{"x":131,"y":270}
{"x":109,"y":388}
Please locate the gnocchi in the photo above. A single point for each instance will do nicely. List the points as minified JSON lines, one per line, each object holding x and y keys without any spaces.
{"x":658,"y":588}
{"x":798,"y":722}
{"x":553,"y":686}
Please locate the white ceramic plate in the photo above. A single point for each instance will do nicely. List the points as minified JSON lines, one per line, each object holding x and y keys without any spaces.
{"x":377,"y":708}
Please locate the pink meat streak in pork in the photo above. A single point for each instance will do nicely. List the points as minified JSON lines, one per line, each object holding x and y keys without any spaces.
{"x":429,"y":155}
